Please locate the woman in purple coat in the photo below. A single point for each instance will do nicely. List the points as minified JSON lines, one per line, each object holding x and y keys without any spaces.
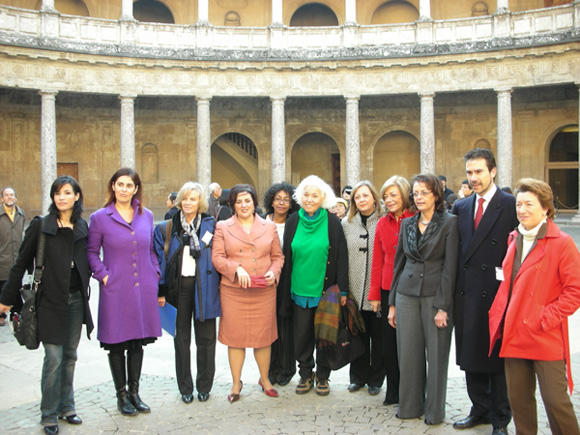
{"x":128,"y":274}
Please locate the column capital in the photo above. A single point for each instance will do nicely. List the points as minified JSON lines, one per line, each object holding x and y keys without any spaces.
{"x":277,"y":98}
{"x":426,"y":95}
{"x":47,"y":93}
{"x":203,"y":99}
{"x":352,"y":98}
{"x":506,"y":90}
{"x":125,"y":97}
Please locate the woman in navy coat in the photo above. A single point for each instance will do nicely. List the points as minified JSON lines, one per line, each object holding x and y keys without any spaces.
{"x":128,"y":275}
{"x":190,"y":283}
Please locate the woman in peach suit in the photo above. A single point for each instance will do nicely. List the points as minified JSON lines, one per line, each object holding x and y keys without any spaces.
{"x":246,"y":252}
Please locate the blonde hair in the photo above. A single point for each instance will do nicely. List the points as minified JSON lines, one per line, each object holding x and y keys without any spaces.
{"x":188,"y":187}
{"x":404,"y":189}
{"x":353,"y":210}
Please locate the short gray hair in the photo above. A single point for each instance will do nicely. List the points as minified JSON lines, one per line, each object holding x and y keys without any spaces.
{"x":314,"y":181}
{"x":188,"y":187}
{"x":213,"y":187}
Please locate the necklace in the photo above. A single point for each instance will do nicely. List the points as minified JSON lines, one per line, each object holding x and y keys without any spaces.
{"x":424,"y":223}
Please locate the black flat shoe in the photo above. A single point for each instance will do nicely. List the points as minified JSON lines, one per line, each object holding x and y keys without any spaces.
{"x":203,"y":397}
{"x":72,"y":419}
{"x":283,"y":380}
{"x":373,"y":391}
{"x":187,"y":398}
{"x":471,"y":421}
{"x":51,"y":430}
{"x":388,"y":402}
{"x":354,"y":387}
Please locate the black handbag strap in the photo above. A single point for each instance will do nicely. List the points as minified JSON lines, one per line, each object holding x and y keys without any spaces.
{"x":39,"y":260}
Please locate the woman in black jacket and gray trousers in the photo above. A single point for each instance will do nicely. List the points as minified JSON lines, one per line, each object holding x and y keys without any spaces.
{"x":62,"y":301}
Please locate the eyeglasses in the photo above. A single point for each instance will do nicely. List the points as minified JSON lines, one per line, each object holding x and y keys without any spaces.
{"x":423,"y":194}
{"x":282,"y":200}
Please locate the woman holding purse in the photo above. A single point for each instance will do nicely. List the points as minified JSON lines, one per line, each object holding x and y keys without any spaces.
{"x":62,"y":303}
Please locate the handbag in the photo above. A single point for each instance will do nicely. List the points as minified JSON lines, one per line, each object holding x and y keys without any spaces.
{"x":25,"y":323}
{"x":348,"y":347}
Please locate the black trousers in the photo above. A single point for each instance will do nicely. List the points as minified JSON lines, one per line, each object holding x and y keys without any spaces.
{"x":391,"y":357}
{"x":489,"y":396}
{"x":282,"y":360}
{"x":304,"y":343}
{"x":369,"y":368}
{"x":205,"y":342}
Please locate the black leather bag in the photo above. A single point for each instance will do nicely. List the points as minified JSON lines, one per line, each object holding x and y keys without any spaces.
{"x":348,"y":347}
{"x":25,"y":323}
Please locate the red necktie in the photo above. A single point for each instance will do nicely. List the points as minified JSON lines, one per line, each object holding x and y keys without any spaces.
{"x":478,"y":213}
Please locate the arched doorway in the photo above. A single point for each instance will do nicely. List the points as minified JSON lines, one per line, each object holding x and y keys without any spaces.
{"x":234,"y":160}
{"x":562,"y":168}
{"x":316,"y":154}
{"x":396,"y":153}
{"x":313,"y":15}
{"x":150,"y":11}
{"x":394,"y":12}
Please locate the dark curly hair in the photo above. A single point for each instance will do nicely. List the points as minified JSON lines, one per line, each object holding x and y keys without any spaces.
{"x":271,"y":193}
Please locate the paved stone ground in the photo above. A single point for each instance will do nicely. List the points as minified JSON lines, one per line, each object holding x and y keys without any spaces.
{"x":254,"y":413}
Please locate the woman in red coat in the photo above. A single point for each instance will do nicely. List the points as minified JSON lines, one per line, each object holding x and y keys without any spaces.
{"x":396,"y":193}
{"x":540,"y":289}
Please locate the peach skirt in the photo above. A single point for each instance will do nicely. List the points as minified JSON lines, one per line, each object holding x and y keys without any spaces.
{"x":248,"y":317}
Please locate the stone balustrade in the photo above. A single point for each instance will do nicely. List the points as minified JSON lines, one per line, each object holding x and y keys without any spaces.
{"x":28,"y":28}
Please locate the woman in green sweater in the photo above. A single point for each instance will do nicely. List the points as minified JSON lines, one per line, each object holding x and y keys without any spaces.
{"x":316,"y":258}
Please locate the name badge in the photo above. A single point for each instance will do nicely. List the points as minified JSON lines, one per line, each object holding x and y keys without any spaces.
{"x":499,"y":274}
{"x":207,"y":237}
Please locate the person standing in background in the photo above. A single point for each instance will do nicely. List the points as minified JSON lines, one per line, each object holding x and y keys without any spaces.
{"x":171,"y":206}
{"x":213,"y":200}
{"x":11,"y":230}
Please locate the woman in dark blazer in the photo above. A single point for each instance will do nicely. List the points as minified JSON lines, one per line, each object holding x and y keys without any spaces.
{"x":62,"y":301}
{"x":421,"y":300}
{"x":190,"y":283}
{"x":316,"y":258}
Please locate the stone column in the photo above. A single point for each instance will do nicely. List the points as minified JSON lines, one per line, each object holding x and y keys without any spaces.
{"x":47,"y":145}
{"x":425,"y":10}
{"x":352,"y":143}
{"x":48,"y":6}
{"x":350,"y":11}
{"x":504,"y":138}
{"x":278,"y":141}
{"x":202,"y":12}
{"x":502,"y":7}
{"x":127,"y":131}
{"x":277,"y":16}
{"x":427,"y":133}
{"x":576,"y":217}
{"x":127,"y":10}
{"x":203,"y":141}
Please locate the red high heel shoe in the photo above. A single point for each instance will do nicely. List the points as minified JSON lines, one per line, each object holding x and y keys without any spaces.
{"x":270,"y":393}
{"x":234,"y":397}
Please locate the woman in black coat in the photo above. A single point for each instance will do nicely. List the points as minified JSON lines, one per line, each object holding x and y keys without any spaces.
{"x":62,"y":301}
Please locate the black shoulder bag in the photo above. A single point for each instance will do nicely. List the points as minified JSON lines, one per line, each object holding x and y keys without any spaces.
{"x":25,"y":323}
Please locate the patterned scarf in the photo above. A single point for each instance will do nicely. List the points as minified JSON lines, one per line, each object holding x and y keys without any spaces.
{"x":191,"y":231}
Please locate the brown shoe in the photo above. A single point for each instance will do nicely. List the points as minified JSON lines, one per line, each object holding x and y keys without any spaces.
{"x":322,"y":387}
{"x":305,"y":385}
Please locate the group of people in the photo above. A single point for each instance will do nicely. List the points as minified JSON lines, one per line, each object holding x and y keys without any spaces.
{"x":412,"y":269}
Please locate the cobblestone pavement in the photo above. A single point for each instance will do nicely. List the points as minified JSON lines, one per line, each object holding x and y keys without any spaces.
{"x":254,"y":413}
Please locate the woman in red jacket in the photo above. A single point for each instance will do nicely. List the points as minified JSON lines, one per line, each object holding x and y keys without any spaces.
{"x":540,"y":289}
{"x":396,"y":194}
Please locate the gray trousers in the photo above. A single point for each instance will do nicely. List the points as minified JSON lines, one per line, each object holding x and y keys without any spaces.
{"x":423,"y":358}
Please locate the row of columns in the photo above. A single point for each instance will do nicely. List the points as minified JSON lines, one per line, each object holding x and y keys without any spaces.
{"x":277,"y":10}
{"x":278,"y":147}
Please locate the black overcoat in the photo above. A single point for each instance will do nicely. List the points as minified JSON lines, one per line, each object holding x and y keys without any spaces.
{"x":62,"y":247}
{"x":481,"y":252}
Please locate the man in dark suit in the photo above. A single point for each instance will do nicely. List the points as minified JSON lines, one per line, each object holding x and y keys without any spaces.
{"x":485,"y":221}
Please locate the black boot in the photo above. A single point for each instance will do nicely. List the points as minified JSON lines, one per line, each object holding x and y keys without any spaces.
{"x":117,"y":364}
{"x":134,"y":363}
